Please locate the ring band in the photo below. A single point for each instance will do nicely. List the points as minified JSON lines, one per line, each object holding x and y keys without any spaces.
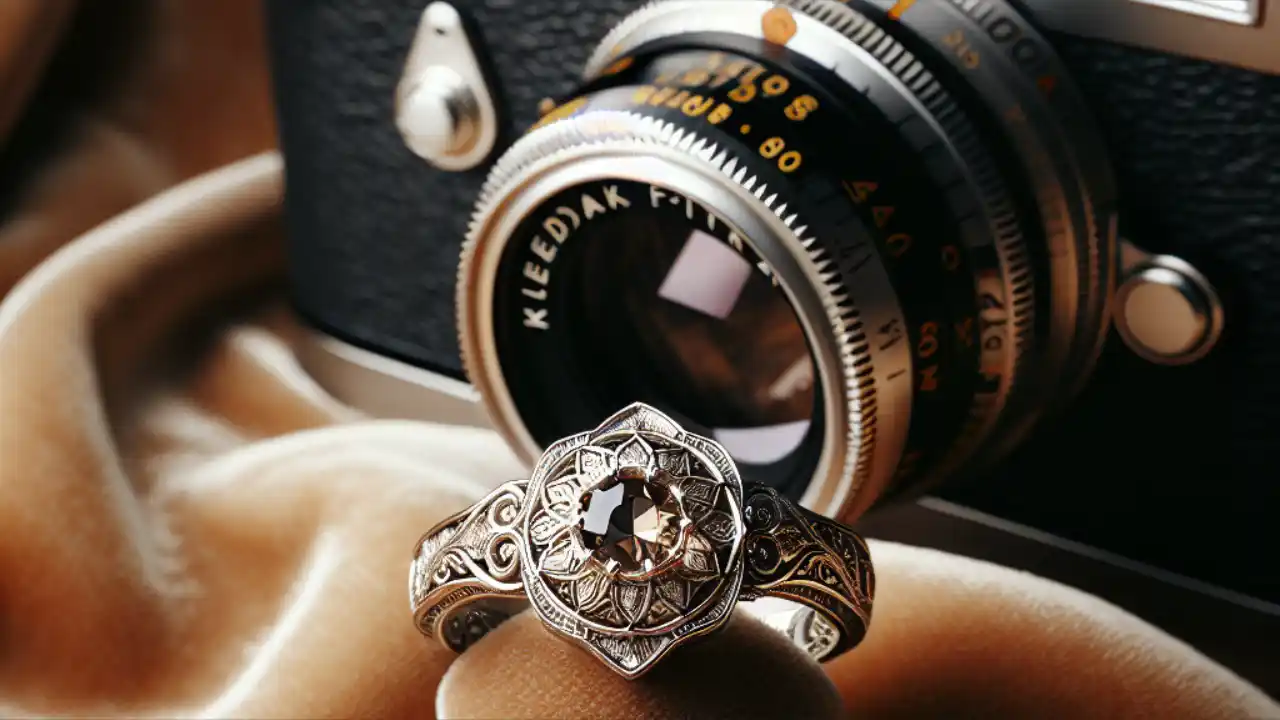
{"x":632,"y":539}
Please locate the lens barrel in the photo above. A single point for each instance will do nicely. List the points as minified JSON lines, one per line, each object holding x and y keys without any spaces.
{"x":817,"y":241}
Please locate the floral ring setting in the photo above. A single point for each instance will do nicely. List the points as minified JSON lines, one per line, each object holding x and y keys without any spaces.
{"x":633,"y":539}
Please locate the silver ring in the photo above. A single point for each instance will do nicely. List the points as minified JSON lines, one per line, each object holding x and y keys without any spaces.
{"x":632,"y":539}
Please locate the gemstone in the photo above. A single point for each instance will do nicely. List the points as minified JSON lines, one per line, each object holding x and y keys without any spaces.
{"x":632,"y":521}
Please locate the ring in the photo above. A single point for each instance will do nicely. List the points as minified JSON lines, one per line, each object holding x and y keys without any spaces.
{"x":633,"y":539}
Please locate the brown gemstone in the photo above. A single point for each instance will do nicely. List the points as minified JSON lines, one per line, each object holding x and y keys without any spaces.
{"x":632,"y":521}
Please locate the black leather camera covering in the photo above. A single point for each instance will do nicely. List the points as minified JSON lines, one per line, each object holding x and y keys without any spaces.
{"x":1176,"y":467}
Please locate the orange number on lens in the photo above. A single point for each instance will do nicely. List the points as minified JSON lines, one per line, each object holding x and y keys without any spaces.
{"x":929,"y":378}
{"x":800,"y":108}
{"x":772,"y":147}
{"x":898,"y":244}
{"x":928,"y":344}
{"x":776,"y":85}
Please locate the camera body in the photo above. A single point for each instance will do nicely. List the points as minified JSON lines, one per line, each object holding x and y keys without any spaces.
{"x":1166,"y":470}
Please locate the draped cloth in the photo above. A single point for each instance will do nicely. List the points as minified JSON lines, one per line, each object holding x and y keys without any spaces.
{"x":191,"y":527}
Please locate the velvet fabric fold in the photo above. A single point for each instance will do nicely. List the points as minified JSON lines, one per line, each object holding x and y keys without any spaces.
{"x":191,"y":527}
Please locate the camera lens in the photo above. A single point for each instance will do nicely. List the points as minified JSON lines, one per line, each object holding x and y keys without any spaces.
{"x":660,"y":300}
{"x":852,"y":257}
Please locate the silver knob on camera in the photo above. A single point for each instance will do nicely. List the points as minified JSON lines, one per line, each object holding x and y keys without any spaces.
{"x":1166,"y":311}
{"x":444,"y":110}
{"x":439,"y":118}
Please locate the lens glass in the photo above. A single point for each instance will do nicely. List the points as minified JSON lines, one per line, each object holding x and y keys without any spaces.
{"x":660,"y":300}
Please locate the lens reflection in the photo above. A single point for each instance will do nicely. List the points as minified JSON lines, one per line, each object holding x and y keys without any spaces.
{"x":690,"y":322}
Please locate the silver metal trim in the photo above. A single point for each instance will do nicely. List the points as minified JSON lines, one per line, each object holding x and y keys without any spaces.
{"x":442,"y":76}
{"x":383,"y":387}
{"x":1171,"y":29}
{"x":1153,"y":572}
{"x":1240,"y":12}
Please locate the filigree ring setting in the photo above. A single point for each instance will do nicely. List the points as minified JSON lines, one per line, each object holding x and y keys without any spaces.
{"x":634,"y":538}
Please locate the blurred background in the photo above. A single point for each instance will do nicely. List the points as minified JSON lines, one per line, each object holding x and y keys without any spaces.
{"x":103,"y":104}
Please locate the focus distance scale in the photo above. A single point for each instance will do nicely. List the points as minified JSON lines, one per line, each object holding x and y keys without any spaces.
{"x":857,"y":265}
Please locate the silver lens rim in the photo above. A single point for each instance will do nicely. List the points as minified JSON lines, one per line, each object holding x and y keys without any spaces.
{"x":847,"y":460}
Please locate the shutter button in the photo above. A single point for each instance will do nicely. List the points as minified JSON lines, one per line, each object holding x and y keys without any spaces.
{"x":1167,"y":312}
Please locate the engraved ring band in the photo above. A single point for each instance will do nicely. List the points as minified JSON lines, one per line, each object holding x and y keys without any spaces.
{"x":634,"y":538}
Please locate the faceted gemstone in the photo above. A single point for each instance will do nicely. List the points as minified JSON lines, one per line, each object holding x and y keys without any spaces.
{"x":632,"y":521}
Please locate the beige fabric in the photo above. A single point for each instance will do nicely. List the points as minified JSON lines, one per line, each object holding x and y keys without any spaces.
{"x":190,"y":527}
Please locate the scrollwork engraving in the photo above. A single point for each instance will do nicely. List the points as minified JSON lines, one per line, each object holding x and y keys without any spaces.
{"x":798,"y":555}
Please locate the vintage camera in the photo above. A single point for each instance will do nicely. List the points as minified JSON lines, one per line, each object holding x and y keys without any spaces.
{"x":874,"y":247}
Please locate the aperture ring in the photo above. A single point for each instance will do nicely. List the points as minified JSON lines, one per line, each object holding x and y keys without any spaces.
{"x":938,"y":127}
{"x":1008,"y":67}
